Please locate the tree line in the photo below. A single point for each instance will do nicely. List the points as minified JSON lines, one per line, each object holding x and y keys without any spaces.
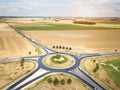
{"x":56,"y":81}
{"x":61,"y":47}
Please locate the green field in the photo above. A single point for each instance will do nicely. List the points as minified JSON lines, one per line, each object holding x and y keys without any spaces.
{"x":115,"y":75}
{"x":1,"y":21}
{"x":58,"y":26}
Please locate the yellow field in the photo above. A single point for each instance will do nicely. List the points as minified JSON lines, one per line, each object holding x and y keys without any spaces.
{"x":13,"y":44}
{"x":82,"y":41}
{"x":9,"y":72}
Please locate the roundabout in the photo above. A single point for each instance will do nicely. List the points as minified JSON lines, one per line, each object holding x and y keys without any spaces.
{"x":54,"y":62}
{"x":65,"y":63}
{"x":58,"y":61}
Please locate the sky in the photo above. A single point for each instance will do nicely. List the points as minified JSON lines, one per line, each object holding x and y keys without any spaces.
{"x":71,"y":8}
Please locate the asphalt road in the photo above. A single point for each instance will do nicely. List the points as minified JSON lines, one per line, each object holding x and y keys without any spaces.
{"x":74,"y":70}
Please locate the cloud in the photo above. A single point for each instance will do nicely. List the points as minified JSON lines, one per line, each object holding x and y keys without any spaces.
{"x":60,"y":7}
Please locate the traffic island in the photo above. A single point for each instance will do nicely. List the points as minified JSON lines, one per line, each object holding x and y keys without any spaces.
{"x":58,"y":81}
{"x":58,"y":61}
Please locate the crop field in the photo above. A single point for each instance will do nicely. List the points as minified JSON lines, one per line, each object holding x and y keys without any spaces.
{"x":82,"y":41}
{"x":12,"y":44}
{"x":82,"y":38}
{"x":88,"y":38}
{"x":59,"y":26}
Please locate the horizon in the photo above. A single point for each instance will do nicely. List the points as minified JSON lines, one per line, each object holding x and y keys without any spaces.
{"x":58,"y":16}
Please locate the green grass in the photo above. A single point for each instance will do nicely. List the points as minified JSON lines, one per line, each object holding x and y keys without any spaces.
{"x":48,"y":23}
{"x":114,"y":75}
{"x":1,"y":21}
{"x":38,"y":50}
{"x":53,"y":59}
{"x":57,"y":26}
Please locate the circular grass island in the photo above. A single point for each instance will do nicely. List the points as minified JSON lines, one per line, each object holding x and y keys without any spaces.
{"x":59,"y":61}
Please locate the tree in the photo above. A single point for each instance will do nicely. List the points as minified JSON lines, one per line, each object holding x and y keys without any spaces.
{"x":56,"y":81}
{"x":36,"y":50}
{"x":49,"y":80}
{"x":66,"y":48}
{"x":70,"y":48}
{"x":56,"y":47}
{"x":62,"y":81}
{"x":69,"y":81}
{"x":22,"y":62}
{"x":29,"y":52}
{"x":115,"y":50}
{"x":60,"y":47}
{"x":53,"y":46}
{"x":96,"y":68}
{"x":94,"y":60}
{"x":58,"y":56}
{"x":63,"y":47}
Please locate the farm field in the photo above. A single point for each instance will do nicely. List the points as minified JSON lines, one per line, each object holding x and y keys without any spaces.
{"x":12,"y":44}
{"x":51,"y":25}
{"x":107,"y":72}
{"x":11,"y":71}
{"x":59,"y":45}
{"x":43,"y":83}
{"x":89,"y":39}
{"x":60,"y":26}
{"x":104,"y":36}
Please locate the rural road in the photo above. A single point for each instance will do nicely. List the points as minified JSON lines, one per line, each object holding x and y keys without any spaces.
{"x":41,"y":70}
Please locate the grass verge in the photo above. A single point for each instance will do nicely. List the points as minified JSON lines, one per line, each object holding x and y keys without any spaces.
{"x":115,"y":75}
{"x":38,"y":50}
{"x":1,"y":21}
